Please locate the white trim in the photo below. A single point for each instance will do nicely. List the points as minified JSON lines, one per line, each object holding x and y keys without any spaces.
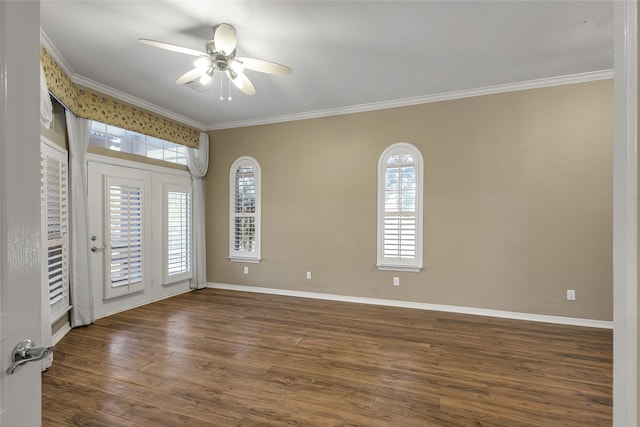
{"x":253,"y":257}
{"x":49,"y":143}
{"x":137,"y":102}
{"x":385,"y":267}
{"x":246,"y":260}
{"x":61,"y":315}
{"x":385,"y":263}
{"x":625,"y":216}
{"x":55,"y":54}
{"x":60,"y":334}
{"x":559,"y":320}
{"x":116,"y":161}
{"x":111,"y":92}
{"x":403,"y":102}
{"x":426,"y":99}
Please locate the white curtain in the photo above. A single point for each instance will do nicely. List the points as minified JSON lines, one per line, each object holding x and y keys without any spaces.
{"x":78,"y":130}
{"x":46,"y":108}
{"x":198,"y":163}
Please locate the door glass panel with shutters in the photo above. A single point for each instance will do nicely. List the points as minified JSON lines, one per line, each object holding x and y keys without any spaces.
{"x":178,"y":233}
{"x":125,"y":239}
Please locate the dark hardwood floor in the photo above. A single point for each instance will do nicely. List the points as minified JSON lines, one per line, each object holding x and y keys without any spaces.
{"x":223,"y":358}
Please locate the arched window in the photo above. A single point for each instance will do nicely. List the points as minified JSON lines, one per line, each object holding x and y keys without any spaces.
{"x":400,"y":183}
{"x":244,"y":204}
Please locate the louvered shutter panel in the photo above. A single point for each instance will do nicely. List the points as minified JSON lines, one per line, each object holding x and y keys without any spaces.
{"x":178,"y":232}
{"x":245,"y":210}
{"x":399,"y":234}
{"x":125,"y":235}
{"x":55,"y":228}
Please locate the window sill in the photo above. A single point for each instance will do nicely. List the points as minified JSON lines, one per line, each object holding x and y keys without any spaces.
{"x":172,"y":280}
{"x":407,"y":268}
{"x":61,"y":314}
{"x":247,"y":260}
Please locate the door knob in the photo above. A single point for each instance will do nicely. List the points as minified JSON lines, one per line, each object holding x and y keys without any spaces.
{"x":26,"y":351}
{"x":95,"y":249}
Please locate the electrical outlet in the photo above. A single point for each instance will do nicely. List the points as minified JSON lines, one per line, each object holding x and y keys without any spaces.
{"x":571,"y":295}
{"x":246,"y":270}
{"x":396,"y":281}
{"x":308,"y":275}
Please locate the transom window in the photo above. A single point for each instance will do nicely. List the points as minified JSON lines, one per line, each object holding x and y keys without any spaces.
{"x":118,"y":139}
{"x":244,"y":227}
{"x":400,"y":208}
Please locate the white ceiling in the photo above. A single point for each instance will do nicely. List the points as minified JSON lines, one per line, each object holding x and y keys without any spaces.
{"x":345,"y":55}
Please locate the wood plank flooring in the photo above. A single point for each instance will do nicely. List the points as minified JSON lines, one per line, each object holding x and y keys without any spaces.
{"x":224,"y":358}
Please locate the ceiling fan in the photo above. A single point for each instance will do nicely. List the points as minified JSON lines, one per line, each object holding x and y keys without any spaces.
{"x":221,"y":55}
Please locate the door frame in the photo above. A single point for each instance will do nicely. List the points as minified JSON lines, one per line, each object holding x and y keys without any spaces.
{"x":625,"y":216}
{"x":20,"y":268}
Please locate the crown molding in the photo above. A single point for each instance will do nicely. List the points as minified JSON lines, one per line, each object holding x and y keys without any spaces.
{"x":360,"y":108}
{"x":124,"y":97}
{"x":111,"y":92}
{"x":49,"y":46}
{"x":404,"y":102}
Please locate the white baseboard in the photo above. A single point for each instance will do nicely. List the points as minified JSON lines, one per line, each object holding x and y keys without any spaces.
{"x":573,"y":321}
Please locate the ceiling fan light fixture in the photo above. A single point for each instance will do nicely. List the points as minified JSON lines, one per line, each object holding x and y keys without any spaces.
{"x":201,"y":63}
{"x":206,"y":77}
{"x":233,"y":76}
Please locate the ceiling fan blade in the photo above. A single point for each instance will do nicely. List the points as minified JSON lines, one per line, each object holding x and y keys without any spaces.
{"x":225,"y":38}
{"x":173,"y":47}
{"x":264,"y":66}
{"x":190,"y":76}
{"x":242,"y":82}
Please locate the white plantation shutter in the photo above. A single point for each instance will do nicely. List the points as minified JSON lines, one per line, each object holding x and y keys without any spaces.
{"x":55,"y":229}
{"x":400,"y":208}
{"x":245,"y":210}
{"x":125,"y":237}
{"x":178,"y":237}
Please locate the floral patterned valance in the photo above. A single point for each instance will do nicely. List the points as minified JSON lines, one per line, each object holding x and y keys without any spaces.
{"x":97,"y":107}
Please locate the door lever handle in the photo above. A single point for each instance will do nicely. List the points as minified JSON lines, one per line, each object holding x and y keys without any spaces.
{"x":95,"y":249}
{"x":25,"y":352}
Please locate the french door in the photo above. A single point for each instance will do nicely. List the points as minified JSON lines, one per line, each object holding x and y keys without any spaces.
{"x":140,"y":231}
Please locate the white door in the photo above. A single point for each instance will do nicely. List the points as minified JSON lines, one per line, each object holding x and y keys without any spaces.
{"x":119,"y":229}
{"x":20,"y":291}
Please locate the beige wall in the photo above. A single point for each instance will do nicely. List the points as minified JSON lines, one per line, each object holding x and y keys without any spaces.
{"x":518,"y":202}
